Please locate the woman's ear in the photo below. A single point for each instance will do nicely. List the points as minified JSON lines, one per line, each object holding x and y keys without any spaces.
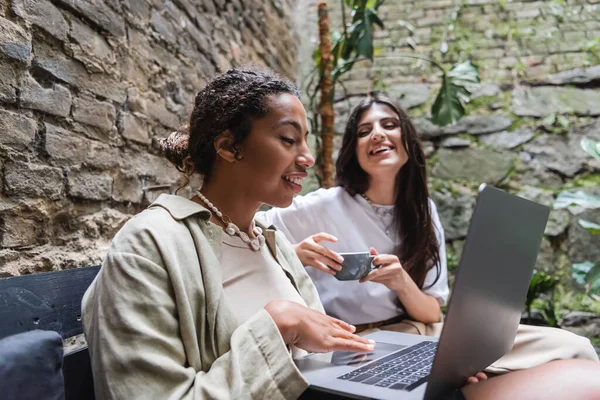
{"x":224,"y":146}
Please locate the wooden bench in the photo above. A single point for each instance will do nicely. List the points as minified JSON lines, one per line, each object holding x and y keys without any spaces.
{"x":51,"y":301}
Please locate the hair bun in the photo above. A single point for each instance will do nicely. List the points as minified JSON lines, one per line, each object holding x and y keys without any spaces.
{"x":176,"y":149}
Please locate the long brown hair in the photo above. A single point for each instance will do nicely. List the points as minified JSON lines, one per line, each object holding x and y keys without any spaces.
{"x":419,"y":249}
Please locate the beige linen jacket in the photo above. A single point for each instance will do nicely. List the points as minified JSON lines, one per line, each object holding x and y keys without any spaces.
{"x":158,"y":324}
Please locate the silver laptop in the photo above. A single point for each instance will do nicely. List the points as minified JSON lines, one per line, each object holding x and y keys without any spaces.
{"x":483,"y":313}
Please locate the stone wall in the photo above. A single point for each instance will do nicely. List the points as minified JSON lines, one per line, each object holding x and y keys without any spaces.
{"x":539,"y":96}
{"x":86,"y":89}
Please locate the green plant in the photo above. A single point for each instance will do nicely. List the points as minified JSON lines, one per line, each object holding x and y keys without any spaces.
{"x":591,"y":147}
{"x":448,"y":106}
{"x":542,"y":284}
{"x":554,"y":120}
{"x":592,"y":48}
{"x":591,"y":227}
{"x":576,"y":198}
{"x":587,"y":274}
{"x":451,"y":259}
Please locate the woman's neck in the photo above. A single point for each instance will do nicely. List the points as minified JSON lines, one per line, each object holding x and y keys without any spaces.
{"x":231,"y":204}
{"x":381,"y":190}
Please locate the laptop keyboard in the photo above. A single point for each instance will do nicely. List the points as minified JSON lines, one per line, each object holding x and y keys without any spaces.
{"x":402,"y":370}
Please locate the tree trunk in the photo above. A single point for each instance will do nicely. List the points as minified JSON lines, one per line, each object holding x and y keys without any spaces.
{"x":326,"y":107}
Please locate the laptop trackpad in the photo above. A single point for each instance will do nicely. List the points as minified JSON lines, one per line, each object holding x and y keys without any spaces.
{"x":355,"y":359}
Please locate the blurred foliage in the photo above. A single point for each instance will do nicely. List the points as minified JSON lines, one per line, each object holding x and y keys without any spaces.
{"x":542,"y":285}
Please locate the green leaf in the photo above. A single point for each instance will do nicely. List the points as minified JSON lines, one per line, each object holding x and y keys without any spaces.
{"x":591,"y":227}
{"x":350,"y":44}
{"x":406,"y":25}
{"x":341,"y":68}
{"x":579,"y":271}
{"x":337,"y":39}
{"x":448,"y":106}
{"x":373,"y":18}
{"x":464,"y":72}
{"x":579,"y":198}
{"x":562,"y":121}
{"x":370,"y":3}
{"x":364,"y":47}
{"x":550,"y":120}
{"x":540,"y":283}
{"x":316,"y":56}
{"x":591,"y":147}
{"x":593,"y":279}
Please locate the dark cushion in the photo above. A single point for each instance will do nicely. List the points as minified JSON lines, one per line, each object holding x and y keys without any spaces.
{"x":31,"y":366}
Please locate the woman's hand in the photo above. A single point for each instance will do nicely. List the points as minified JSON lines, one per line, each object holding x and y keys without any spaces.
{"x":480,"y":376}
{"x":314,"y":331}
{"x":310,"y":252}
{"x":389,"y":273}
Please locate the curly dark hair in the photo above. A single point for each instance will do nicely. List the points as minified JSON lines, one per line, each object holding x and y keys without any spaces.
{"x":229,"y":101}
{"x":419,"y":248}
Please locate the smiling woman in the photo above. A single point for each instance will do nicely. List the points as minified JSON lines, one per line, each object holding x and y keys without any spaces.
{"x":382,"y":202}
{"x":194,"y":299}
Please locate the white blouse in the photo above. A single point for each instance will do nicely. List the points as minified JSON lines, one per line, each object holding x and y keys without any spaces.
{"x":358,"y":227}
{"x":251,"y":279}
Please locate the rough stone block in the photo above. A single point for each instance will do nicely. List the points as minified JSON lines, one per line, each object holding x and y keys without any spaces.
{"x":8,"y":82}
{"x":89,"y":185}
{"x":15,"y":42}
{"x":64,"y":147}
{"x":44,"y":14}
{"x":18,"y":232}
{"x":158,"y":111}
{"x":583,"y":246}
{"x":544,"y":100}
{"x":133,"y":128}
{"x":507,"y":139}
{"x":104,"y":223}
{"x":137,"y":12}
{"x":99,"y":12}
{"x":562,"y":153}
{"x":110,"y":137}
{"x":527,"y":14}
{"x":127,"y":189}
{"x":91,"y":49}
{"x":55,"y":100}
{"x":144,"y":164}
{"x":410,"y":95}
{"x":455,"y":142}
{"x":31,"y":180}
{"x":68,"y":70}
{"x":477,"y":165}
{"x":203,"y":23}
{"x":16,"y":129}
{"x":89,"y":111}
{"x":67,"y":148}
{"x":577,"y":76}
{"x":455,"y":211}
{"x":163,"y":27}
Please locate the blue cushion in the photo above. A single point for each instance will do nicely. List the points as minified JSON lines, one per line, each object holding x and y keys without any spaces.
{"x":31,"y":366}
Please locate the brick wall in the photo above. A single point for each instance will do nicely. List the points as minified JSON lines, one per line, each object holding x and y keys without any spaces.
{"x":86,"y":89}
